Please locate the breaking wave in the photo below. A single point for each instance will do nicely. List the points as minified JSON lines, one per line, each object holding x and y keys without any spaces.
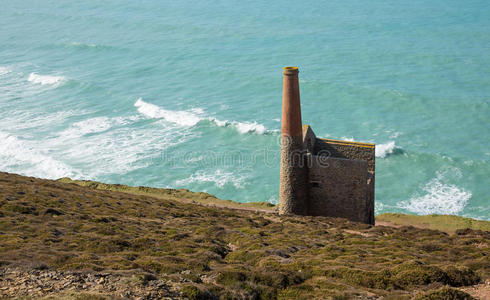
{"x":195,"y":116}
{"x":440,"y":198}
{"x":242,"y":127}
{"x":383,"y":150}
{"x":45,"y":79}
{"x":153,"y":111}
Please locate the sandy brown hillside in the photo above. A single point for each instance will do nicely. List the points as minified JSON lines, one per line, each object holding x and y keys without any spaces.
{"x":64,"y":240}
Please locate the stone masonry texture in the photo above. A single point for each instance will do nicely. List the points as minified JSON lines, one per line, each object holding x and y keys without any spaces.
{"x":293,"y":189}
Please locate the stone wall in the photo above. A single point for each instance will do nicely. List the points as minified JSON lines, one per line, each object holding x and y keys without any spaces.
{"x":348,"y":150}
{"x":341,"y":178}
{"x":293,"y":189}
{"x":338,"y":188}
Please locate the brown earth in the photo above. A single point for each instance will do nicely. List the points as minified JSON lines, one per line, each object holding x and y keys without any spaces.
{"x":61,"y":240}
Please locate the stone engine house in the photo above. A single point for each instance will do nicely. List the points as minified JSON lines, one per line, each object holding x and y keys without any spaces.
{"x":321,"y":177}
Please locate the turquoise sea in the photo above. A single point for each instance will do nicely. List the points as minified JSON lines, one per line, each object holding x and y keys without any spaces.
{"x":187,"y":94}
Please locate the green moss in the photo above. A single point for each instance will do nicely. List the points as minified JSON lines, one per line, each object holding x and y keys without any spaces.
{"x":21,"y":209}
{"x":87,"y":296}
{"x":461,"y":276}
{"x":445,"y":294}
{"x":446,"y":223}
{"x":278,"y":280}
{"x":418,"y":276}
{"x":173,"y":194}
{"x":381,"y":280}
{"x":405,"y":276}
{"x":296,"y":292}
{"x":229,"y":253}
{"x":192,"y":292}
{"x":245,"y":256}
{"x":231,"y":277}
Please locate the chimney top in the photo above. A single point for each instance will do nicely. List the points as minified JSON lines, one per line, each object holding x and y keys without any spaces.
{"x":290,"y":70}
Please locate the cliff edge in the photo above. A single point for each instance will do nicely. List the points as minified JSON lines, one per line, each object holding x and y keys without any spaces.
{"x":87,"y":240}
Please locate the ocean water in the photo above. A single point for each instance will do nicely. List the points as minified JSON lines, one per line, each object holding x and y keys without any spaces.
{"x":187,"y":94}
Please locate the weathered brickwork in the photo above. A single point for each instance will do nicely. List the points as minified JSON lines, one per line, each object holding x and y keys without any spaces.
{"x":293,"y":187}
{"x":348,"y":150}
{"x":340,"y":178}
{"x":338,"y":188}
{"x":352,"y":151}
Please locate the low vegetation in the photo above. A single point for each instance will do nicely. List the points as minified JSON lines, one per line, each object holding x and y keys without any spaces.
{"x":444,"y":223}
{"x":207,"y":252}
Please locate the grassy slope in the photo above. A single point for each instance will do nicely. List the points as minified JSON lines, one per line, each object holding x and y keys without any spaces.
{"x":227,"y":252}
{"x":444,"y":223}
{"x":181,"y":195}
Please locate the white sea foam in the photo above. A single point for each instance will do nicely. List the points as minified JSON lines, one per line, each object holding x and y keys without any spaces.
{"x":378,"y":207}
{"x":119,"y":149}
{"x":219,"y":178}
{"x":45,"y":79}
{"x":274,"y":199}
{"x":95,"y":125}
{"x":382,"y":150}
{"x":82,"y":45}
{"x":246,"y":127}
{"x":197,"y":110}
{"x":4,"y":70}
{"x":242,"y":127}
{"x":18,"y":155}
{"x":21,"y":120}
{"x":395,"y":135}
{"x":439,"y":198}
{"x":183,"y":118}
{"x":194,"y":116}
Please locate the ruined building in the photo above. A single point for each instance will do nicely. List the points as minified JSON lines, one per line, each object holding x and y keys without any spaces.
{"x":321,"y":177}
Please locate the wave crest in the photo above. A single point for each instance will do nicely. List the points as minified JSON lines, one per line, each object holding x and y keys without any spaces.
{"x":242,"y":127}
{"x":183,"y":118}
{"x":383,"y":150}
{"x":194,"y":116}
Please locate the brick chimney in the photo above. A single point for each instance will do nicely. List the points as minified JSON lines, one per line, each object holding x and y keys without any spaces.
{"x":293,"y":189}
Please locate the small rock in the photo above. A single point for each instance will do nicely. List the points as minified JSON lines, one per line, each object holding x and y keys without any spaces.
{"x":53,"y":212}
{"x":57,"y":233}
